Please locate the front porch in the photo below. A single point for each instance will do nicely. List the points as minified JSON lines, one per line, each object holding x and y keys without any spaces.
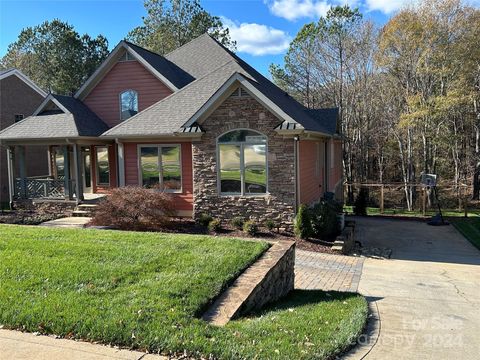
{"x":76,"y":172}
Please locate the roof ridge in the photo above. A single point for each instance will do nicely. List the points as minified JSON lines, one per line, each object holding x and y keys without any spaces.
{"x":168,"y":97}
{"x":188,"y":42}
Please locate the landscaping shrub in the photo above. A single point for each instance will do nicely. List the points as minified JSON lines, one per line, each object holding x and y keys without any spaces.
{"x":360,"y":203}
{"x":237,"y":222}
{"x":135,"y":208}
{"x":303,"y":223}
{"x":215,"y":225}
{"x":204,"y":219}
{"x":270,"y":224}
{"x":324,"y":220}
{"x":250,"y":227}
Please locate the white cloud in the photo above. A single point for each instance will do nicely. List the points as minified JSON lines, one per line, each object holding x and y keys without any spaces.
{"x":257,"y":39}
{"x":387,"y":6}
{"x":295,"y":9}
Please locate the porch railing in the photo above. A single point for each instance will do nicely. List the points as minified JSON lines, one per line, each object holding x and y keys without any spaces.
{"x":45,"y":187}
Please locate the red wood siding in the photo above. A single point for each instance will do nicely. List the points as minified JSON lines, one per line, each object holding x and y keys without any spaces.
{"x":104,"y":98}
{"x":311,"y":159}
{"x":184,"y":200}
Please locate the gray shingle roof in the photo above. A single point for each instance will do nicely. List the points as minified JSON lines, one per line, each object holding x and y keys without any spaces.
{"x":79,"y":121}
{"x":175,"y":74}
{"x":200,"y":57}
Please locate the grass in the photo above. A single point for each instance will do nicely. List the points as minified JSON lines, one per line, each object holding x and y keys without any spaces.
{"x":147,"y":290}
{"x":470,"y":228}
{"x":372,"y":211}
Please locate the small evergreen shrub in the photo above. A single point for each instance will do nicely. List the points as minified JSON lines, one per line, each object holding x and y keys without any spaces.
{"x":303,"y":223}
{"x":270,"y":224}
{"x":250,"y":228}
{"x":324,"y":220}
{"x":237,"y":222}
{"x":215,"y":225}
{"x":204,"y":219}
{"x":360,"y":203}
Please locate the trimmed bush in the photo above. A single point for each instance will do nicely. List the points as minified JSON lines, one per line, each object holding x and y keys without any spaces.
{"x":250,"y":228}
{"x":204,"y":219}
{"x":215,"y":225}
{"x":360,"y":203}
{"x":324,"y":220}
{"x":303,"y":223}
{"x":237,"y":222}
{"x":135,"y":208}
{"x":270,"y":224}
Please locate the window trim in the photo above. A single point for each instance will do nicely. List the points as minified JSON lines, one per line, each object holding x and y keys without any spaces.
{"x":242,"y":164}
{"x":120,"y":104}
{"x":159,"y":147}
{"x":97,"y":177}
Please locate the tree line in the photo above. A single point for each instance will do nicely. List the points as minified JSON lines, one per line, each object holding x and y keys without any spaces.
{"x":408,"y":93}
{"x":59,"y":59}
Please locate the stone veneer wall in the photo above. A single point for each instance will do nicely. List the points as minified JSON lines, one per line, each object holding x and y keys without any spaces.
{"x":279,"y":204}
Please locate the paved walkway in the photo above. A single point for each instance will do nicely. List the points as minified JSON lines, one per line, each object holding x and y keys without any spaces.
{"x":67,"y":222}
{"x":327,"y":271}
{"x":426,"y":298}
{"x":15,"y":345}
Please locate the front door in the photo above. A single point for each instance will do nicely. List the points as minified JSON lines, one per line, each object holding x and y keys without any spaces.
{"x":87,"y":170}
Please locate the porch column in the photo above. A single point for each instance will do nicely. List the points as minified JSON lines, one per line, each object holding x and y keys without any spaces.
{"x":50,"y":170}
{"x":66,"y":171}
{"x":23,"y":172}
{"x":121,"y":164}
{"x":77,"y":173}
{"x":11,"y":178}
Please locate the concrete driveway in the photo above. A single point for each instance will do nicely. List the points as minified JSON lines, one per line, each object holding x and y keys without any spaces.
{"x":426,"y":298}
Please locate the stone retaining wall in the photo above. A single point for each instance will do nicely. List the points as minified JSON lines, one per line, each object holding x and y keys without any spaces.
{"x":268,"y":279}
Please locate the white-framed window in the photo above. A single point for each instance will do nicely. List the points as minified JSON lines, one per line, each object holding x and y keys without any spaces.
{"x":160,"y":166}
{"x":102,"y":165}
{"x":127,"y":57}
{"x":242,"y":163}
{"x":128,"y":104}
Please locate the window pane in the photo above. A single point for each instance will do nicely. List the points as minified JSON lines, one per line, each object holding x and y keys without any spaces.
{"x":59,"y":163}
{"x":241,"y":136}
{"x":255,"y":169}
{"x":103,"y":170}
{"x":171,"y":168}
{"x":129,"y":104}
{"x":149,"y":166}
{"x":230,"y":177}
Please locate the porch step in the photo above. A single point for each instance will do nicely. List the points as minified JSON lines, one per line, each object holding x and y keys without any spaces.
{"x":84,"y":210}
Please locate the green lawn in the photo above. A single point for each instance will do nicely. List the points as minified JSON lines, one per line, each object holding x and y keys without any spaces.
{"x":470,"y":228}
{"x":415,"y":213}
{"x":147,"y":290}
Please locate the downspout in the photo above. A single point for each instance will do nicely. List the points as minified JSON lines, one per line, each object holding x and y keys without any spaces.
{"x":297,"y":172}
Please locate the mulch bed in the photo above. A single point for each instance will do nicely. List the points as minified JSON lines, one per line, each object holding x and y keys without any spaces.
{"x":315,"y":246}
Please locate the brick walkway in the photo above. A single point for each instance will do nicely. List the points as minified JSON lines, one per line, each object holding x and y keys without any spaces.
{"x":326,"y":271}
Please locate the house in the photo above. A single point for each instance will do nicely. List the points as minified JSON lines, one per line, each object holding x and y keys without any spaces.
{"x":19,"y":97}
{"x":199,"y":122}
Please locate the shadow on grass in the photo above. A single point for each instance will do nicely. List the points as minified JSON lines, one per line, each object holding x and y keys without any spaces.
{"x":297,"y":298}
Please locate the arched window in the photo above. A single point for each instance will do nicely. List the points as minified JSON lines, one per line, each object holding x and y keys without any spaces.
{"x":128,"y":104}
{"x":242,"y":163}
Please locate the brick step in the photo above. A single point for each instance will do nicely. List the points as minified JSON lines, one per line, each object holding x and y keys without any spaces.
{"x":84,"y":210}
{"x":81,"y":213}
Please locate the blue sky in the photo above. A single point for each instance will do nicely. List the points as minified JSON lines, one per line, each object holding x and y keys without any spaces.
{"x":262,"y":28}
